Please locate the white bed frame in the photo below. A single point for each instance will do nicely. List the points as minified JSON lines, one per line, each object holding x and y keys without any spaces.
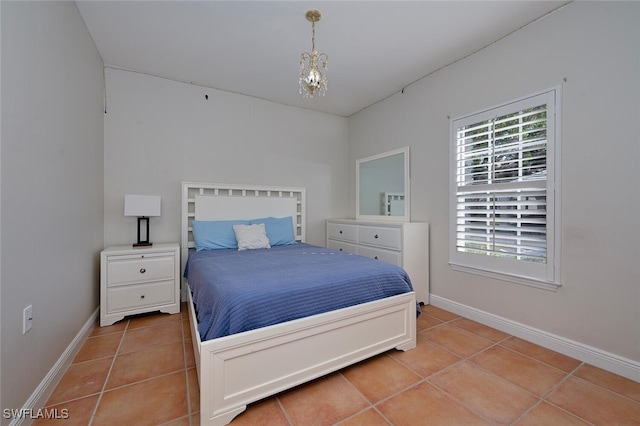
{"x":236,"y":370}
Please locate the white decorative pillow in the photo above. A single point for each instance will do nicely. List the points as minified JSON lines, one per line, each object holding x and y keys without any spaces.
{"x":251,"y":237}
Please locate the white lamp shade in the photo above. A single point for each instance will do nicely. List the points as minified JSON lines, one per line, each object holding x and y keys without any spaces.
{"x":141,"y":205}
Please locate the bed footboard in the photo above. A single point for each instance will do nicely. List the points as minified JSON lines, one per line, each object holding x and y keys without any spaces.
{"x":236,"y":370}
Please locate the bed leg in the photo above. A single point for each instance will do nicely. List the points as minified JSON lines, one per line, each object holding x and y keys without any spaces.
{"x":221,"y":419}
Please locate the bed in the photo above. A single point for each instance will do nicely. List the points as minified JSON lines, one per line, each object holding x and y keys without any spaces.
{"x":230,"y":362}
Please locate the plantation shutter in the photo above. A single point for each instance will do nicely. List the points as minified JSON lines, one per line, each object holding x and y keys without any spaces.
{"x":501,"y":185}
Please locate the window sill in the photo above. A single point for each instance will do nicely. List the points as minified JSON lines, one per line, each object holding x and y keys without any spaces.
{"x":530,"y":282}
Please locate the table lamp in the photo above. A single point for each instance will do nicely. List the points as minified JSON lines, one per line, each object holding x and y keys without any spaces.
{"x":142,"y":206}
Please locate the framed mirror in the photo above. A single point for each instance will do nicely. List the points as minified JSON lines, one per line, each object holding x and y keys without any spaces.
{"x":382,"y":186}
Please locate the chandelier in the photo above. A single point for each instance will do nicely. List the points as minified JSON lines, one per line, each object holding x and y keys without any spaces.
{"x":313,"y":66}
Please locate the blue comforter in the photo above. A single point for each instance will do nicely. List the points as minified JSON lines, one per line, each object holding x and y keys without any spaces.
{"x":236,"y":291}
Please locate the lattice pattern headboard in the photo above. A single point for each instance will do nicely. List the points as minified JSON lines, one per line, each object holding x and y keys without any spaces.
{"x":231,"y":201}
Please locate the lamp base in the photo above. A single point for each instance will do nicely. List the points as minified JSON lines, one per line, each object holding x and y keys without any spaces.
{"x":143,"y":244}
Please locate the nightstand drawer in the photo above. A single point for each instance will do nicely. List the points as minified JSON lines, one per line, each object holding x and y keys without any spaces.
{"x":380,"y":236}
{"x":340,"y":231}
{"x":140,"y":295}
{"x":124,"y":272}
{"x":393,"y":257}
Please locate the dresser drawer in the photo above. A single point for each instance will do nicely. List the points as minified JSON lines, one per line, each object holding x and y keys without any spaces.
{"x":140,"y":269}
{"x":342,"y":246}
{"x":389,"y":256}
{"x":341,"y":231}
{"x":380,"y":236}
{"x":140,"y":295}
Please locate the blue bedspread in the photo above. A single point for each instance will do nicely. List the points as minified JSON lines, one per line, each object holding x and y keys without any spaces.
{"x":236,"y":291}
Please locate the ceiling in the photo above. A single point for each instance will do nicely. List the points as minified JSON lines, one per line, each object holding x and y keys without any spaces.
{"x":375,"y":48}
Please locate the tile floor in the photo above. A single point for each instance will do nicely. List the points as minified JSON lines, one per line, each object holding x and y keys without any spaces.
{"x":141,"y":371}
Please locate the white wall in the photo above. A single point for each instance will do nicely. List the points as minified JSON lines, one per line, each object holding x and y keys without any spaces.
{"x":594,"y":45}
{"x":52,"y":176}
{"x":160,"y":132}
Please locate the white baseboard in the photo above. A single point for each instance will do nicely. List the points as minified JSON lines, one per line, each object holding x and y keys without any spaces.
{"x":44,"y":390}
{"x":602,"y":359}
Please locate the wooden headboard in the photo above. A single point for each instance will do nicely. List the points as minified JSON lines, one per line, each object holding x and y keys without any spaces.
{"x":217,"y":201}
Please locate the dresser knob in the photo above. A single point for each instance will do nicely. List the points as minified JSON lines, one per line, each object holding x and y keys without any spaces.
{"x":376,"y":257}
{"x":340,"y":249}
{"x":375,"y":236}
{"x":142,"y":297}
{"x":142,"y":270}
{"x":341,"y":231}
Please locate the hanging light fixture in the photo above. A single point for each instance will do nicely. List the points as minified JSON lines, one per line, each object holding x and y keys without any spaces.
{"x":313,"y":66}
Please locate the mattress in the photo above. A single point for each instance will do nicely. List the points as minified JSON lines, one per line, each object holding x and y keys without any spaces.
{"x":237,"y":291}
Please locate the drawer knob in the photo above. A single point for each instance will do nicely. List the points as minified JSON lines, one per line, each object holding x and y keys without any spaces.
{"x":340,"y":249}
{"x":375,"y":236}
{"x":142,"y":296}
{"x":341,"y":231}
{"x":376,"y":257}
{"x":142,"y":270}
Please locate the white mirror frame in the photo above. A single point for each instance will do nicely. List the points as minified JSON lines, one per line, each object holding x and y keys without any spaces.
{"x":407,"y":187}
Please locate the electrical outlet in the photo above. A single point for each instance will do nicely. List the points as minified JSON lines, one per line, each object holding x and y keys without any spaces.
{"x":27,"y":319}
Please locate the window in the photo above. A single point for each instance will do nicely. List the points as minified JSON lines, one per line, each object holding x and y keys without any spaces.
{"x":505,"y":191}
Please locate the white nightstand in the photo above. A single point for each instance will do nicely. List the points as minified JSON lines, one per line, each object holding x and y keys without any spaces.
{"x":137,"y":280}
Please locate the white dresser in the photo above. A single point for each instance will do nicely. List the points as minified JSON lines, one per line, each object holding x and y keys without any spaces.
{"x":405,"y":244}
{"x":137,"y":280}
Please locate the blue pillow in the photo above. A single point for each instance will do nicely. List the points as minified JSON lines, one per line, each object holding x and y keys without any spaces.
{"x":279,"y":230}
{"x":215,"y":234}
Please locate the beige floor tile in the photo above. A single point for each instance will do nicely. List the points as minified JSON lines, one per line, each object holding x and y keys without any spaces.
{"x":525,"y":372}
{"x":380,"y":377}
{"x":186,"y":330}
{"x":184,"y":310}
{"x":545,"y":414}
{"x":555,"y":359}
{"x":611,"y":381}
{"x":498,"y":382}
{"x":182,"y":421}
{"x":99,"y":347}
{"x":438,"y":313}
{"x":594,"y":403}
{"x":426,"y":359}
{"x":369,"y":417}
{"x":118,"y":327}
{"x":480,"y":329}
{"x":146,"y":320}
{"x":426,"y":405}
{"x":263,"y":413}
{"x":145,"y":364}
{"x":80,"y":380}
{"x":325,"y":401}
{"x":490,"y":396}
{"x":72,"y":413}
{"x":425,"y":321}
{"x":151,"y":402}
{"x":140,"y":338}
{"x":189,"y":354}
{"x":194,"y":390}
{"x":456,"y":340}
